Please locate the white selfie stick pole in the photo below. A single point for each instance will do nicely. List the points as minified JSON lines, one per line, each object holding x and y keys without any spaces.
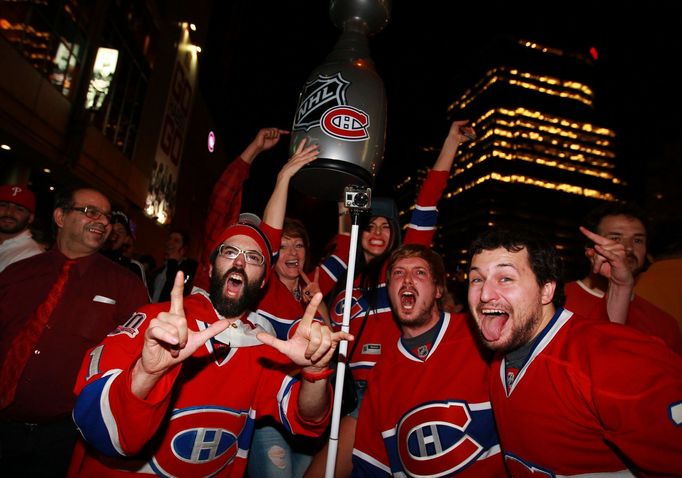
{"x":343,"y":349}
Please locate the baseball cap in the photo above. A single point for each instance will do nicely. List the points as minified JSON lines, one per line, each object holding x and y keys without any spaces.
{"x":119,"y":217}
{"x":18,"y":194}
{"x":248,"y":225}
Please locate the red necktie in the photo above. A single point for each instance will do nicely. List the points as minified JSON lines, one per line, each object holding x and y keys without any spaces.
{"x":24,"y":343}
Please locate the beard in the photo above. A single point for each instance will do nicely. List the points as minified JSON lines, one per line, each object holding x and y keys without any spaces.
{"x":421,"y":318}
{"x":233,"y":307}
{"x":14,"y":225}
{"x":523,"y":331}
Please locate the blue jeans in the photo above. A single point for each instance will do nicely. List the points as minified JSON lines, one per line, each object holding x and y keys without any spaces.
{"x":360,"y":387}
{"x":275,"y":453}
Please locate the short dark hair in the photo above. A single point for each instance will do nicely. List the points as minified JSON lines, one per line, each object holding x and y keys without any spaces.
{"x":542,"y":255}
{"x":64,"y":198}
{"x":618,"y":208}
{"x":434,"y":260}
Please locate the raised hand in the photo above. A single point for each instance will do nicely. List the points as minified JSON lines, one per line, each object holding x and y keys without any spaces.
{"x":459,"y":133}
{"x":168,"y":341}
{"x":265,"y":139}
{"x":608,"y":258}
{"x":276,"y":206}
{"x":313,"y":344}
{"x":305,"y":153}
{"x":268,"y":137}
{"x":312,"y":287}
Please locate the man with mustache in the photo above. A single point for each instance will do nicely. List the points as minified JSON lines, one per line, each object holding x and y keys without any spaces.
{"x":42,"y":347}
{"x":572,"y":396}
{"x":618,"y":253}
{"x":177,"y":389}
{"x":17,"y":209}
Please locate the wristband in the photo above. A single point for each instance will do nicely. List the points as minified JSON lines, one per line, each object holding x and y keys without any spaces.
{"x":314,"y":377}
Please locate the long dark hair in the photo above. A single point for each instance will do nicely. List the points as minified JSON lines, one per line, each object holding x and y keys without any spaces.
{"x":369,"y":271}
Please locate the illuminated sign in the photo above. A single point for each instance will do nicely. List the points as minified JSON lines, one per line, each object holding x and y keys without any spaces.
{"x":102,"y":74}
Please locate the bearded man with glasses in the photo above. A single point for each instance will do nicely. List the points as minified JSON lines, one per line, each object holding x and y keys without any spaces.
{"x":177,"y":389}
{"x":46,"y":331}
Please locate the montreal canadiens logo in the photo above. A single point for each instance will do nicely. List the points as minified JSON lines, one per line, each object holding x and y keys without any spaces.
{"x":432,"y":439}
{"x":345,"y":122}
{"x":200,"y":441}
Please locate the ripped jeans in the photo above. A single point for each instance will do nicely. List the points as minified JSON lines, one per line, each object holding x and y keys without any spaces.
{"x":276,"y":453}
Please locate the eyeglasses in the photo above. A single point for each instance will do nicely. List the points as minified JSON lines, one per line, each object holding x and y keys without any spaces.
{"x":91,"y":212}
{"x":251,"y":257}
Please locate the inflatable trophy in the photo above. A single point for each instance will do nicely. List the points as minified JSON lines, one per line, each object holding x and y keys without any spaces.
{"x":342,"y":106}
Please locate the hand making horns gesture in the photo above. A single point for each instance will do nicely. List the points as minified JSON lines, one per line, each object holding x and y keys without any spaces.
{"x":313,"y":344}
{"x":168,"y":341}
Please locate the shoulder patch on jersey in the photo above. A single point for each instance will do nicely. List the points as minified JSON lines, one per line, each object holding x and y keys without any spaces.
{"x":132,"y":326}
{"x":676,"y":413}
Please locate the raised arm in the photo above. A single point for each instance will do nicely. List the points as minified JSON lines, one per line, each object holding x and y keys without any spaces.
{"x":275,"y":209}
{"x":266,"y":139}
{"x":422,"y":225}
{"x":459,"y":133}
{"x":608,"y":259}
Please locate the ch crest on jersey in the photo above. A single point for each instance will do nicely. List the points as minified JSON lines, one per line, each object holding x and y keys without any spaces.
{"x":432,"y":439}
{"x":358,"y":307}
{"x":319,"y":95}
{"x":203,"y":441}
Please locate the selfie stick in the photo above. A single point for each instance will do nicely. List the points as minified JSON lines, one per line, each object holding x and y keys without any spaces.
{"x":343,"y":348}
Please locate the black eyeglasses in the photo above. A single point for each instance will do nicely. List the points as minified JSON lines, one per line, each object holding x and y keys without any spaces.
{"x":251,"y":257}
{"x":91,"y":212}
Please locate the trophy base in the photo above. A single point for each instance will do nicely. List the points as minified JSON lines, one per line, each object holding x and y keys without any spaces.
{"x":327,"y":179}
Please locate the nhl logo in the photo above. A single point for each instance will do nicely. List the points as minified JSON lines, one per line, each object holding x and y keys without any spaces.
{"x":318,"y":96}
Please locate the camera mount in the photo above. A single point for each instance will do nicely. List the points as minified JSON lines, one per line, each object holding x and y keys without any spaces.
{"x":358,"y":200}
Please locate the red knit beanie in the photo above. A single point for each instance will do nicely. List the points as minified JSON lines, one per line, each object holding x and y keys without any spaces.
{"x":254,"y":232}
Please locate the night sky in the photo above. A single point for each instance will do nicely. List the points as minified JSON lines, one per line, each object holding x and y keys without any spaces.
{"x":259,"y":55}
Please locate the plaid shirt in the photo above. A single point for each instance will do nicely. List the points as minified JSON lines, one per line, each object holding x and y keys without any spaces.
{"x":223,"y":210}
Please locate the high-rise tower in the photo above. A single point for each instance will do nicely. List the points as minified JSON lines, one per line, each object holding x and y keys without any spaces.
{"x":540,"y":159}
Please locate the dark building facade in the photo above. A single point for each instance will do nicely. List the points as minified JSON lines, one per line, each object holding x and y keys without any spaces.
{"x":540,"y":158}
{"x":102,"y":94}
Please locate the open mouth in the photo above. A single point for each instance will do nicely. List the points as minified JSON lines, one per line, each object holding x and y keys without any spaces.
{"x":407,"y":300}
{"x":493,"y":322}
{"x":293,"y":263}
{"x":234,"y":284}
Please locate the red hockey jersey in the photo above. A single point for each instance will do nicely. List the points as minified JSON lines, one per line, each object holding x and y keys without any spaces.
{"x":432,"y":416}
{"x":199,"y":418}
{"x":592,"y":399}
